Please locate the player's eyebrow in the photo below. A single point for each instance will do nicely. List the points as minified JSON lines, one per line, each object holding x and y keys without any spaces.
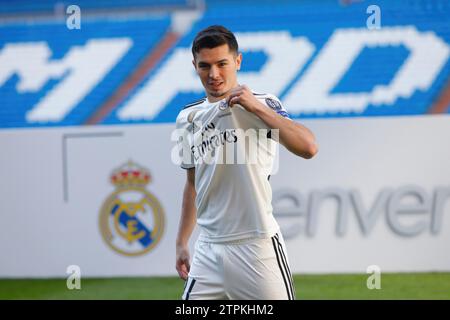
{"x":203,"y":63}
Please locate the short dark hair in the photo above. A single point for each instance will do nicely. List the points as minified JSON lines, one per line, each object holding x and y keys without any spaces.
{"x":214,"y":36}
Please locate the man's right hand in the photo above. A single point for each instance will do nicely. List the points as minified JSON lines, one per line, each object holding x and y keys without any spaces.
{"x":182,"y":263}
{"x":187,"y":225}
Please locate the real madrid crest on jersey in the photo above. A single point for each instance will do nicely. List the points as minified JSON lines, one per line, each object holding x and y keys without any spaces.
{"x":131,"y":218}
{"x":223,"y":105}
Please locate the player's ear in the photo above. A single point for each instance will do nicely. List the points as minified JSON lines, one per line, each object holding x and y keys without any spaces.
{"x":238,"y":61}
{"x":195,"y":66}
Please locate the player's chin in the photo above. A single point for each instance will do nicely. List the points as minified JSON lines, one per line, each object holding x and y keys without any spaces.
{"x":216,"y":93}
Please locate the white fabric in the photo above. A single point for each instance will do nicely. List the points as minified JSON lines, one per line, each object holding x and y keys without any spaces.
{"x":255,"y":269}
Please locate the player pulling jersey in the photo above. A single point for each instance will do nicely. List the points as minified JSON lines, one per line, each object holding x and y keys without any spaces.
{"x":225,"y":146}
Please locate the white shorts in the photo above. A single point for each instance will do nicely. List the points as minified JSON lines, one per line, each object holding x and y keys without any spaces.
{"x":254,"y":269}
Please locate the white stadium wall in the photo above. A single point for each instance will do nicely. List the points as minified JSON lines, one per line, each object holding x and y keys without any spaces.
{"x":377,"y":193}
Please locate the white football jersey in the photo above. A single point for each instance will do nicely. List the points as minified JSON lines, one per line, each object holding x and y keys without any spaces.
{"x":233,"y":154}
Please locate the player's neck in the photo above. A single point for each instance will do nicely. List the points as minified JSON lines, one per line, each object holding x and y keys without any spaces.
{"x":212,"y":99}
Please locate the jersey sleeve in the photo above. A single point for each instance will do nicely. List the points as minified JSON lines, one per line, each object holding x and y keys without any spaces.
{"x":184,"y":136}
{"x":275,"y":104}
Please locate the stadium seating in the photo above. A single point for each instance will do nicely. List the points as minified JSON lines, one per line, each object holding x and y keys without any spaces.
{"x":315,"y":22}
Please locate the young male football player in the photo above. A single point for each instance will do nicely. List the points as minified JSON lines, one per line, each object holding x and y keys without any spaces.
{"x":240,"y":252}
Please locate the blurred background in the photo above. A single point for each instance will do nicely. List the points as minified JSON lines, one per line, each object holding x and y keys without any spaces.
{"x":89,"y":94}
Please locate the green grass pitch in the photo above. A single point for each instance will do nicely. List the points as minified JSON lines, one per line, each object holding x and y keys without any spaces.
{"x":335,"y":286}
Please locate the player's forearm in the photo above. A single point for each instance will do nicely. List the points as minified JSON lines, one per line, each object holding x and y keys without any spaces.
{"x":188,"y":216}
{"x":296,"y":138}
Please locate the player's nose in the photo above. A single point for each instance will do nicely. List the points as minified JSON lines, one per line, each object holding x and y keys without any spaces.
{"x":213,"y":72}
